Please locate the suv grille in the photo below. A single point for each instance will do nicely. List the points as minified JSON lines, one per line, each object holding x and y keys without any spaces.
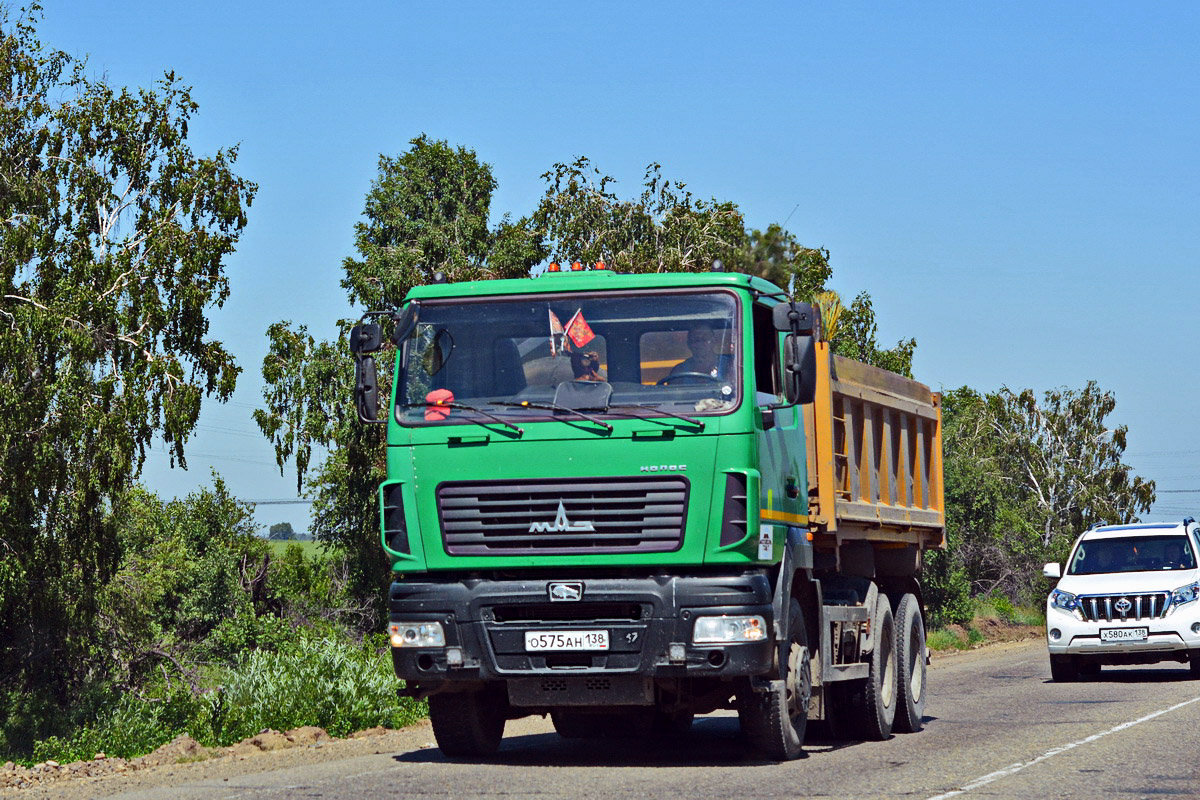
{"x":545,"y":517}
{"x":1151,"y":605}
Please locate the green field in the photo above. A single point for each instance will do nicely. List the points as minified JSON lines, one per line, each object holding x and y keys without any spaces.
{"x":310,"y":548}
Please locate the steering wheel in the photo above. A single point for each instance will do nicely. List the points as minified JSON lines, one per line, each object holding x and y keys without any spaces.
{"x":687,"y":377}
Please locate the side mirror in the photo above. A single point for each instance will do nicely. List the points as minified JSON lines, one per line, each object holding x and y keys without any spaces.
{"x":793,"y":318}
{"x":366,"y":337}
{"x":1052,"y":571}
{"x":366,"y":389}
{"x":800,"y":368}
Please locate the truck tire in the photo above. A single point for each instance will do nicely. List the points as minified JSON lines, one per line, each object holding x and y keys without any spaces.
{"x":1063,"y":669}
{"x":910,"y":657}
{"x":875,"y":706}
{"x":468,"y":724}
{"x":1194,"y":663}
{"x":776,"y":720}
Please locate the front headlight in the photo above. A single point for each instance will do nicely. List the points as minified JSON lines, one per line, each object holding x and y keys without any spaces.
{"x":1064,"y":600}
{"x":1185,"y":594}
{"x":729,"y":630}
{"x":416,"y":634}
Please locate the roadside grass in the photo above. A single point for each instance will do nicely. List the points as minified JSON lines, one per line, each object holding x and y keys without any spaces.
{"x":328,"y":682}
{"x":993,"y":619}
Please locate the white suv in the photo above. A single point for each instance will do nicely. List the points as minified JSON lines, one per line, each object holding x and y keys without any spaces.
{"x":1129,"y":596}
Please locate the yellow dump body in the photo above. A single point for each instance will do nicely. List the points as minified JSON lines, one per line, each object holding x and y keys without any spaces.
{"x":874,"y":458}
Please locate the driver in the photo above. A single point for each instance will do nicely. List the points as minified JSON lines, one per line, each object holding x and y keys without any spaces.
{"x":710,"y":353}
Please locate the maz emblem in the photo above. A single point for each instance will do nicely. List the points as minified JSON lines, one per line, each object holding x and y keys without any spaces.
{"x":565,"y":592}
{"x":561,"y":523}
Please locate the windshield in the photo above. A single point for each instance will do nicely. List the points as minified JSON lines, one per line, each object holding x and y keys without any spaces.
{"x":1132,"y":554}
{"x":673,"y":351}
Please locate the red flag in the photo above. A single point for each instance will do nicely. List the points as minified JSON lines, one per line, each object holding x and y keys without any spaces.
{"x":578,"y":330}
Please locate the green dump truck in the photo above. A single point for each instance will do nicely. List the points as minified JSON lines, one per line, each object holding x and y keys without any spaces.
{"x":625,"y":500}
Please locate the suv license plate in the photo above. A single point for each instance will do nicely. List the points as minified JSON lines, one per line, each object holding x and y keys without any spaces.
{"x":542,"y":641}
{"x":1124,"y":634}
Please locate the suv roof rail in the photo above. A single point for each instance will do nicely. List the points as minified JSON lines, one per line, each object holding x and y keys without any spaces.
{"x":1188,"y":521}
{"x":1094,"y":525}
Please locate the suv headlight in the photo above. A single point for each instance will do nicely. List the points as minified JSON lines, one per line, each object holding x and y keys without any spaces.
{"x":1064,"y":600}
{"x":1185,"y":594}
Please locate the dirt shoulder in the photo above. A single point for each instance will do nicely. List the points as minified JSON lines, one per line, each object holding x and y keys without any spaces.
{"x":184,"y":761}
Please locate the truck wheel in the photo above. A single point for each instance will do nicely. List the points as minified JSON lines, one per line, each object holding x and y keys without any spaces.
{"x":468,"y":724}
{"x":910,"y":656}
{"x":1063,"y":669}
{"x":876,"y":703}
{"x":775,"y":721}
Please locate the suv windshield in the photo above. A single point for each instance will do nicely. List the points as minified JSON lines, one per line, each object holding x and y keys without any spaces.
{"x":1132,"y":554}
{"x":675,"y":351}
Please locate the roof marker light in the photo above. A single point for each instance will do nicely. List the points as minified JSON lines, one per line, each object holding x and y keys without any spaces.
{"x":553,"y":267}
{"x":576,"y":266}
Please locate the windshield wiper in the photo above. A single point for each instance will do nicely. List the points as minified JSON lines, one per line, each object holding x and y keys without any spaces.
{"x":698,"y":423}
{"x":557,"y":407}
{"x":465,"y":407}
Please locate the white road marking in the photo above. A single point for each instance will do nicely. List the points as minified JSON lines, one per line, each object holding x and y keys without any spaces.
{"x":1015,"y":768}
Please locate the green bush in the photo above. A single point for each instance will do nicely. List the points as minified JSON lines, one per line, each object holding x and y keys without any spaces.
{"x":329,"y":682}
{"x":339,"y":687}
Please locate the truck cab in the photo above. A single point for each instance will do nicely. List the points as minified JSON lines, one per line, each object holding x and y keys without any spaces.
{"x":1128,"y":596}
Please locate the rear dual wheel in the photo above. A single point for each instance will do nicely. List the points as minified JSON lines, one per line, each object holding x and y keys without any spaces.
{"x":874,"y":706}
{"x":910,"y":660}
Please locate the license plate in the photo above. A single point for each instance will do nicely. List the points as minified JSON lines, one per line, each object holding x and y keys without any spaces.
{"x":1124,"y":634}
{"x":541,"y":641}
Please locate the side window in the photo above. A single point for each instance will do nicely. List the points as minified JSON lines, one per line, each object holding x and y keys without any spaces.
{"x":766,"y":355}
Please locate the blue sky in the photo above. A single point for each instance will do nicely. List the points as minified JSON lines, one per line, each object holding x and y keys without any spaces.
{"x":1016,"y":184}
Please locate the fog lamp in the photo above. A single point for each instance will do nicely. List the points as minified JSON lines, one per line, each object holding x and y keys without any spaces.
{"x":677,"y":653}
{"x":416,"y":634}
{"x":1196,"y":627}
{"x":729,"y":630}
{"x":1055,"y":634}
{"x":454,"y":657}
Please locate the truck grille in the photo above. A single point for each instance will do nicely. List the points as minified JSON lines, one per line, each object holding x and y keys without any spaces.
{"x":1110,"y":607}
{"x":547,"y":517}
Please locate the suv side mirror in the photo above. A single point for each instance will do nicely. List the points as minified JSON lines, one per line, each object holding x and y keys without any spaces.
{"x":366,"y":388}
{"x":366,"y":337}
{"x":1052,"y":571}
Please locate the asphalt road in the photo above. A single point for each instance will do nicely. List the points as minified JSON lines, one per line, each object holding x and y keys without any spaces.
{"x":996,"y":727}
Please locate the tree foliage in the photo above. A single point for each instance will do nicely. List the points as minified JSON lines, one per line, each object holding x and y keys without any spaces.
{"x":1025,"y":476}
{"x":112,"y":255}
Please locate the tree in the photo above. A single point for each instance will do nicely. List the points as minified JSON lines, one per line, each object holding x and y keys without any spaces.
{"x":114,"y":239}
{"x":856,"y":338}
{"x":776,"y":255}
{"x":1067,"y":461}
{"x":282,"y":531}
{"x":1023,"y":478}
{"x":426,"y":212}
{"x":666,"y":229}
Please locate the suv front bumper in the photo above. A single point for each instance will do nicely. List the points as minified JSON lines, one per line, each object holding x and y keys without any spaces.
{"x":1168,"y":638}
